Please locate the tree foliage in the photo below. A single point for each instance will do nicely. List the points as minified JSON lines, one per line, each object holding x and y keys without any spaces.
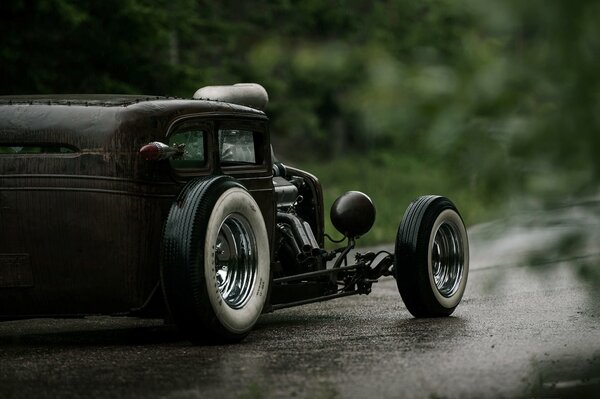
{"x":501,"y":95}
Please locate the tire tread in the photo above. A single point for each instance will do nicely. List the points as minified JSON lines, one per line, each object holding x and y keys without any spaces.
{"x":411,"y":248}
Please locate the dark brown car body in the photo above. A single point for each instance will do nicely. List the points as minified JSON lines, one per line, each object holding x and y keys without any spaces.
{"x":162,"y":207}
{"x":82,"y":213}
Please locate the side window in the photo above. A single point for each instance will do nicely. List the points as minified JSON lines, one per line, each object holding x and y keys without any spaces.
{"x":237,"y":147}
{"x":192,"y":140}
{"x":36,"y":149}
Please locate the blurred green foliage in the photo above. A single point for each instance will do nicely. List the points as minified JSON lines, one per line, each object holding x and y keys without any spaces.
{"x":482,"y":100}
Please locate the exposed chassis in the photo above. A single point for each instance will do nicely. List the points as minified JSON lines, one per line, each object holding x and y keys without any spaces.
{"x":339,"y":281}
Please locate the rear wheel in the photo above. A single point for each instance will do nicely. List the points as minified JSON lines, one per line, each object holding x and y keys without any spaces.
{"x":432,"y":257}
{"x":215,"y":261}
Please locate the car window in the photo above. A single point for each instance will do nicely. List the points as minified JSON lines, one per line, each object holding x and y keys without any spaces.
{"x":35,"y":149}
{"x":237,"y":146}
{"x":192,"y":141}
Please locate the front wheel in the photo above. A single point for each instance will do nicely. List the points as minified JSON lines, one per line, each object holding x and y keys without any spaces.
{"x":431,"y":257}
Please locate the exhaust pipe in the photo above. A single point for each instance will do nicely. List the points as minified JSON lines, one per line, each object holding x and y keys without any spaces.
{"x":291,"y":241}
{"x":303,"y":235}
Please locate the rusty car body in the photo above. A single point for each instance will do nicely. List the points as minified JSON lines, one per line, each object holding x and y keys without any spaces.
{"x":177,"y":208}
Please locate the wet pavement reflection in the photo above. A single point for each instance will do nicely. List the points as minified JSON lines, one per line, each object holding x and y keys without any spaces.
{"x":522,"y":330}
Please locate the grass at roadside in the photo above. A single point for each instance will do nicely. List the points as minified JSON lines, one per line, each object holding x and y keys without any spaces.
{"x":392,"y":183}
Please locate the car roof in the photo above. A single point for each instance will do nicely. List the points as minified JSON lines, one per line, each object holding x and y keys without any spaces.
{"x":115,"y":100}
{"x":251,"y":95}
{"x":85,"y":120}
{"x":78,"y":99}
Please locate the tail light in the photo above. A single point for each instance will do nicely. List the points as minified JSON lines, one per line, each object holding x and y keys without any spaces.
{"x":157,"y":151}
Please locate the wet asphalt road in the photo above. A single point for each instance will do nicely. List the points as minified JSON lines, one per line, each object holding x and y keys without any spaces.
{"x":528,"y":326}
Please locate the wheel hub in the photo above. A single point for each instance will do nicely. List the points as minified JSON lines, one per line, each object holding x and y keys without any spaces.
{"x":447,"y":259}
{"x":236,"y":261}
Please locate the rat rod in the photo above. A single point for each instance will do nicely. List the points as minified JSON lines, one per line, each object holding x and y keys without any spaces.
{"x":177,"y":208}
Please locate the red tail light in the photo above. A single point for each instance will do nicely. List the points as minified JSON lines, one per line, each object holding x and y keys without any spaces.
{"x":157,"y":151}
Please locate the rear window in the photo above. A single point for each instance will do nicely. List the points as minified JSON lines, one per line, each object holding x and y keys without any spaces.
{"x":192,"y":140}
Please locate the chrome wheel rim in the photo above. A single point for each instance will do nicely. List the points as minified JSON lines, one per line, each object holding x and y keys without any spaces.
{"x":236,"y":260}
{"x":447,"y":259}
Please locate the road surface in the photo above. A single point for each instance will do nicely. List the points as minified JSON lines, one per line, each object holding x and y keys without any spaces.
{"x":528,"y":326}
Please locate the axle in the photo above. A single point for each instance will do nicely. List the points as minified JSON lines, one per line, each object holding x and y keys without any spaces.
{"x":335,"y":282}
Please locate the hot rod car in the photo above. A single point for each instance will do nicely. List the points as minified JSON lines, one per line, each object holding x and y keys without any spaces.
{"x":178,"y":208}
